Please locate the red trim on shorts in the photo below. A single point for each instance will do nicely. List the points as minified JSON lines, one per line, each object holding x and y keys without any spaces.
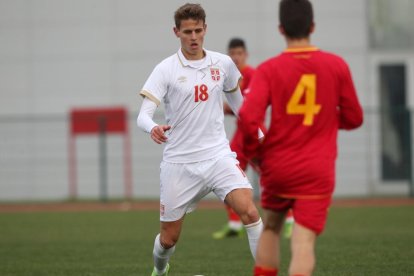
{"x":238,"y":166}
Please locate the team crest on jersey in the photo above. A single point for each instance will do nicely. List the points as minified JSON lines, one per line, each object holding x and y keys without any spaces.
{"x":215,"y":74}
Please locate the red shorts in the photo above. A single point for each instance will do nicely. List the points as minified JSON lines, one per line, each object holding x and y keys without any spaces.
{"x":309,"y":212}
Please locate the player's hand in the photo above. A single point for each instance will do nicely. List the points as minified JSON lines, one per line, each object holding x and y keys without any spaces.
{"x":158,"y":134}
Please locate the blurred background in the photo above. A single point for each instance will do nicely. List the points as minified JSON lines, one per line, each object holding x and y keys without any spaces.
{"x":61,"y":55}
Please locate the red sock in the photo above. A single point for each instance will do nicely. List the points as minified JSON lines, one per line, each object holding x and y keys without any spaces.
{"x":232,"y":214}
{"x":264,"y":271}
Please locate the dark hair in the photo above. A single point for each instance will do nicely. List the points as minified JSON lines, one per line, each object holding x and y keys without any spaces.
{"x":189,"y":11}
{"x":236,"y":43}
{"x":296,"y":18}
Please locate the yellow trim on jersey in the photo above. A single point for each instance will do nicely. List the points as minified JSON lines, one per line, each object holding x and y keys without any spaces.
{"x":178,"y":55}
{"x":145,"y":93}
{"x":235,"y":88}
{"x":299,"y":50}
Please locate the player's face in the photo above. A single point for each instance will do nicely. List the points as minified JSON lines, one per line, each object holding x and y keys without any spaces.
{"x":239,"y":56}
{"x":191,"y":34}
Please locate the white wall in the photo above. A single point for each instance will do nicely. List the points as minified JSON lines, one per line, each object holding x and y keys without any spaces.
{"x":58,"y":54}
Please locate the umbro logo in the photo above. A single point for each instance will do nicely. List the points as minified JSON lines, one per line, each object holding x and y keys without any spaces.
{"x":182,"y":79}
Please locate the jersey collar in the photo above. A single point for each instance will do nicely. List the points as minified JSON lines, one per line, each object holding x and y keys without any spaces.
{"x":185,"y":62}
{"x":300,"y":50}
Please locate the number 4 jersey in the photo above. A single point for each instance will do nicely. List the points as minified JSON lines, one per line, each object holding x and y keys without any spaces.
{"x":312,"y":95}
{"x":193,"y":101}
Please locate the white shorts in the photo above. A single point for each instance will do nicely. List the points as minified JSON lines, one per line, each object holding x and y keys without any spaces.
{"x":182,"y":186}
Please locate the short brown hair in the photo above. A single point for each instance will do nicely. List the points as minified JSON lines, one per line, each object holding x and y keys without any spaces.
{"x":189,"y":11}
{"x":296,"y":18}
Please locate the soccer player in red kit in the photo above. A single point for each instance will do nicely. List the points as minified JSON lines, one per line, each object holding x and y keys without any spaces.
{"x":237,"y":50}
{"x":312,"y":95}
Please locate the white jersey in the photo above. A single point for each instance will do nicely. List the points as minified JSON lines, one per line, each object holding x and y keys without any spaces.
{"x":192,"y":96}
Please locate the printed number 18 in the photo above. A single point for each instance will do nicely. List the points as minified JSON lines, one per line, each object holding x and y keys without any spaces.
{"x":200,"y":93}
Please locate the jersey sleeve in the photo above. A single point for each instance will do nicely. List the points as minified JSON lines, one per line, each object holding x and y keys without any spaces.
{"x":253,"y":111}
{"x":350,"y":111}
{"x":155,"y":87}
{"x":232,"y":76}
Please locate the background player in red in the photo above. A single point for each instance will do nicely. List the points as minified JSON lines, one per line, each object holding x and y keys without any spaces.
{"x":312,"y":95}
{"x":237,"y":50}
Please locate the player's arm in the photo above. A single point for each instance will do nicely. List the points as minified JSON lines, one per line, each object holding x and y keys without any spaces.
{"x":253,"y":111}
{"x":350,"y":111}
{"x":226,"y":107}
{"x":153,"y":92}
{"x":235,"y":101}
{"x":146,"y":123}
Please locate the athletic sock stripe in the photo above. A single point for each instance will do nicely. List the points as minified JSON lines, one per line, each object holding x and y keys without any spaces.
{"x":254,"y":223}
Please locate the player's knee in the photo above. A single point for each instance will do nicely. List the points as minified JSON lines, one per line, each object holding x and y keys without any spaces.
{"x":253,"y":213}
{"x":250,"y":214}
{"x":168,"y":242}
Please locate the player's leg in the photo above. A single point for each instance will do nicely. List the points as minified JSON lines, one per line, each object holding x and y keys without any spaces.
{"x":241,"y":200}
{"x":268,"y":252}
{"x":303,"y":251}
{"x":310,"y":218}
{"x":231,"y":185}
{"x":268,"y":249}
{"x":180,"y":189}
{"x":234,"y":226}
{"x":164,"y":245}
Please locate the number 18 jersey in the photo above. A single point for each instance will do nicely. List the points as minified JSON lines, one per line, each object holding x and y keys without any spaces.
{"x":192,"y":95}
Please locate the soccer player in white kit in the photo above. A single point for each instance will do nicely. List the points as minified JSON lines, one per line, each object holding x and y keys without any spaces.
{"x":197,"y":158}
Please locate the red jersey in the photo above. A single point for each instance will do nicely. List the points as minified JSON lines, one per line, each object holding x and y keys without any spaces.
{"x":247,"y":74}
{"x":312,"y":95}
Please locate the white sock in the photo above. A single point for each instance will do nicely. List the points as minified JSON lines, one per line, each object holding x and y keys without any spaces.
{"x":253,"y":234}
{"x":161,"y":255}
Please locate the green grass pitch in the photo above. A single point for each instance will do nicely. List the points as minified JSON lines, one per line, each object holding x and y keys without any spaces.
{"x":357,"y":241}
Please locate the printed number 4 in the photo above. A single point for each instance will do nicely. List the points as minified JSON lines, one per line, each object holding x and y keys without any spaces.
{"x":307,"y":87}
{"x":200,"y":93}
